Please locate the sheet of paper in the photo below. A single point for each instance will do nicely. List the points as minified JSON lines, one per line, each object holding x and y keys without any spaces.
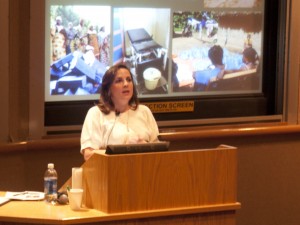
{"x":25,"y":195}
{"x":4,"y":200}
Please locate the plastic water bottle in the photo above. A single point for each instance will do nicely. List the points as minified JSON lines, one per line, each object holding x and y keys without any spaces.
{"x":50,"y":184}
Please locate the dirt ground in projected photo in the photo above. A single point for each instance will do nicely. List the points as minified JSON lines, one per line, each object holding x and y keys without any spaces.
{"x":232,"y":3}
{"x":233,"y":40}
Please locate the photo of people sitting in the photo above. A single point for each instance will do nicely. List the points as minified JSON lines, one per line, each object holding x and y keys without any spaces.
{"x":226,"y":60}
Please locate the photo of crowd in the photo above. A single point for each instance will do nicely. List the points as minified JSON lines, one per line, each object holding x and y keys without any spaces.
{"x":79,"y":48}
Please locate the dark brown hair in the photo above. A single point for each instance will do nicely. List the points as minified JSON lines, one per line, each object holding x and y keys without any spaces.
{"x":215,"y":54}
{"x":251,"y":55}
{"x":105,"y":103}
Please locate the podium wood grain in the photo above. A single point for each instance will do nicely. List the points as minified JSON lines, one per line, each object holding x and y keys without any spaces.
{"x":151,"y":181}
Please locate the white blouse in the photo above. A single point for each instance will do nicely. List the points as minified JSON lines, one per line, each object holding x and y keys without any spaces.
{"x":100,"y":130}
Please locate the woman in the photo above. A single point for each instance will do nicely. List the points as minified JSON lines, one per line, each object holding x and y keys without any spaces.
{"x":118,"y":118}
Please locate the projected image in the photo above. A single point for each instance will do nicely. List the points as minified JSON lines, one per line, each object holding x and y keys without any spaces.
{"x":232,"y":3}
{"x":216,"y":51}
{"x":144,"y":35}
{"x":79,"y":48}
{"x":210,"y":51}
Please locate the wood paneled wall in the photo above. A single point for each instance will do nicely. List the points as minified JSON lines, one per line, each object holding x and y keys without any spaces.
{"x":268,"y":172}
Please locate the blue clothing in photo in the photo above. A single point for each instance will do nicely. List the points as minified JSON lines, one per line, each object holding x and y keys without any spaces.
{"x":204,"y":76}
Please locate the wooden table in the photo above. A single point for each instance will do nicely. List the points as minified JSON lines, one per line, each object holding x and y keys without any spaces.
{"x":39,"y":212}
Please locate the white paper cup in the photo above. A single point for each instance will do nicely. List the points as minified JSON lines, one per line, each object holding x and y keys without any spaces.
{"x":75,"y":198}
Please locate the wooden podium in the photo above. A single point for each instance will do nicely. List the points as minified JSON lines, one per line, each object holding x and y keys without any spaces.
{"x":188,"y":180}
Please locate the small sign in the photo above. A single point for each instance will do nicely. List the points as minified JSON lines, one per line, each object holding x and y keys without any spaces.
{"x":166,"y":107}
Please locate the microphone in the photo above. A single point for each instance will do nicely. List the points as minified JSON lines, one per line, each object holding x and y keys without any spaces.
{"x":117,"y":113}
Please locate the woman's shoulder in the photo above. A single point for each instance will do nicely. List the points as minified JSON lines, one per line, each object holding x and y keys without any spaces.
{"x":142,"y":107}
{"x":94,"y":110}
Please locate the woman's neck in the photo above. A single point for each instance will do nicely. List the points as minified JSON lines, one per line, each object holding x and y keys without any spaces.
{"x":122,"y":108}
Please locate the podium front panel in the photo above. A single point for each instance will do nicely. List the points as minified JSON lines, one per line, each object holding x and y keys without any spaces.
{"x":163,"y":180}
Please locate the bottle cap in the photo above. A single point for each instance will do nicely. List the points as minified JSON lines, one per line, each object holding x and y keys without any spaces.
{"x":50,"y":165}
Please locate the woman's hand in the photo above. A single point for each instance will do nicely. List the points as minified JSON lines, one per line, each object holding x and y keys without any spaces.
{"x":87,"y":153}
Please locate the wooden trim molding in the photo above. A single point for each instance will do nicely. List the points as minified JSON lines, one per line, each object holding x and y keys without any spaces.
{"x":165,"y":135}
{"x":232,"y":131}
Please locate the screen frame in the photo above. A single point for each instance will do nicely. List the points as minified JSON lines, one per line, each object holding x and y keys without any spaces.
{"x":267,"y":103}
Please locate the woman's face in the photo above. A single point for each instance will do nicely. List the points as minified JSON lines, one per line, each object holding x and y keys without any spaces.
{"x":122,"y":87}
